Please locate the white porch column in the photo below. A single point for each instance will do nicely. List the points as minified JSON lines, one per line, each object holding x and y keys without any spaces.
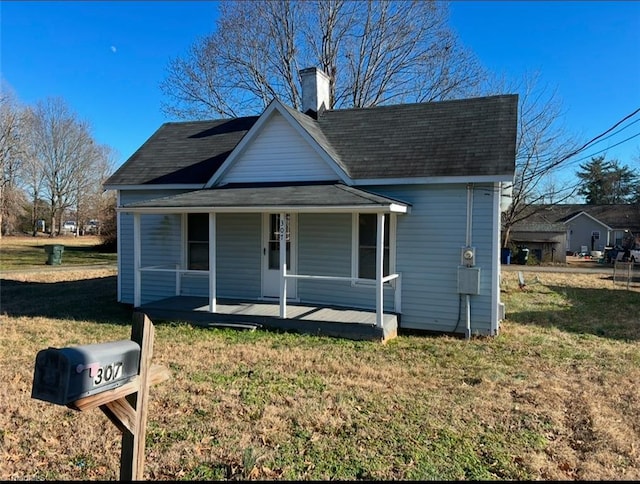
{"x":283,"y":265}
{"x":212,"y":262}
{"x":380,"y":271}
{"x":137,"y":279}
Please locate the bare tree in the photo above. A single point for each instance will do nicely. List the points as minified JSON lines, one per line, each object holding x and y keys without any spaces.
{"x":543,"y":146}
{"x":63,"y":155}
{"x":12,"y":152}
{"x":374,"y":52}
{"x":89,"y":193}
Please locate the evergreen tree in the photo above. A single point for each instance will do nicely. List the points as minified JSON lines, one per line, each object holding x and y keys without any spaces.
{"x":607,"y":182}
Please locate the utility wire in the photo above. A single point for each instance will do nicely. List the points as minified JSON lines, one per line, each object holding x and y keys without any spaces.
{"x":591,"y":141}
{"x":619,"y":131}
{"x":573,"y":162}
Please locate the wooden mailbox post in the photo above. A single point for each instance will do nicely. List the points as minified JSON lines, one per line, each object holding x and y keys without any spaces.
{"x":126,"y":405}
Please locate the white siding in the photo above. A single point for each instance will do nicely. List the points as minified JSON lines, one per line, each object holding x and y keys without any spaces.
{"x":279,"y":154}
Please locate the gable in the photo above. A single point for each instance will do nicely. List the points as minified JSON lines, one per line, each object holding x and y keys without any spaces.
{"x":278,"y":153}
{"x":585,"y":220}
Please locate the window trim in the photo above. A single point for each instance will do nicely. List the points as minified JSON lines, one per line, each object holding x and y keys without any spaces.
{"x":188,"y":242}
{"x":391,"y":219}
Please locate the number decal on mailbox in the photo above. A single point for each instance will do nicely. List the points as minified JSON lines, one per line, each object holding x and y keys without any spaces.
{"x":108,"y":373}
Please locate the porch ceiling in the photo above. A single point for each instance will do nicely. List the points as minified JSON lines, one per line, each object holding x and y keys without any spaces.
{"x":334,"y":197}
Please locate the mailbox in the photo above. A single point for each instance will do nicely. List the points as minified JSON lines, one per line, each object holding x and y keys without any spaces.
{"x":63,"y":375}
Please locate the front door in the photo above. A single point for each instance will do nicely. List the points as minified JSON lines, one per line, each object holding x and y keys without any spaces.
{"x":271,"y":254}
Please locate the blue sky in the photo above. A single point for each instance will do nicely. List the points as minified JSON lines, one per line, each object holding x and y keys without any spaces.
{"x":106,"y":59}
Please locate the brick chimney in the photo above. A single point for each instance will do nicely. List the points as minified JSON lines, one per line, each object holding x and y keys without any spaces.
{"x":315,"y":91}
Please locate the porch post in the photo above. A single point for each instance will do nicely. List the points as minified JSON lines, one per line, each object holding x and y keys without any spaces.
{"x":283,"y":265}
{"x":137,"y":279}
{"x":212,"y":262}
{"x":380,"y":271}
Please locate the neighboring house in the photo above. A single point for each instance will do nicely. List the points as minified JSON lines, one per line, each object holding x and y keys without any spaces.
{"x":342,"y":222}
{"x":545,"y":241}
{"x":584,"y":228}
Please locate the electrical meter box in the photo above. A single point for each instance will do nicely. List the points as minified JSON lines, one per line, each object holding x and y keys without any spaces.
{"x":63,"y":375}
{"x":468,"y":280}
{"x":468,"y":256}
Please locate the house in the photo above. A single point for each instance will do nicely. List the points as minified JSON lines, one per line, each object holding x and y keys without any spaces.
{"x":546,"y":241}
{"x":577,"y":228}
{"x":351,"y":223}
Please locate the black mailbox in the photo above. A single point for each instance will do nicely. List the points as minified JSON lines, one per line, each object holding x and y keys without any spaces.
{"x":63,"y":375}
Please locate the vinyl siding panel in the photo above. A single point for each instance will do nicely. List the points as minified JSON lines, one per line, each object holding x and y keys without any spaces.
{"x":324,"y":249}
{"x":279,"y":154}
{"x":239,"y":244}
{"x":161,"y":242}
{"x":580,"y":230}
{"x":429,"y":242}
{"x":125,"y":238}
{"x":428,"y":247}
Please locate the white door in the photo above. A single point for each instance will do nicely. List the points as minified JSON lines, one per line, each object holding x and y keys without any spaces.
{"x":271,"y":254}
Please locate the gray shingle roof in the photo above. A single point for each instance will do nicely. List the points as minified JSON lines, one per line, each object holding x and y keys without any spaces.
{"x":299,"y":196}
{"x":183,"y":152}
{"x":467,"y":137}
{"x":616,"y":216}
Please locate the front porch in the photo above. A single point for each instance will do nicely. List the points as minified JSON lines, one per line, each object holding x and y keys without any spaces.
{"x":351,"y":323}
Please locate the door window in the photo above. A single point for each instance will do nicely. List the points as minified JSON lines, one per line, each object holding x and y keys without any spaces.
{"x":274,"y":241}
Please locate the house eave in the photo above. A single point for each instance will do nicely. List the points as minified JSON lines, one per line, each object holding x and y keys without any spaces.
{"x":178,"y":186}
{"x":432,"y":180}
{"x":392,"y":208}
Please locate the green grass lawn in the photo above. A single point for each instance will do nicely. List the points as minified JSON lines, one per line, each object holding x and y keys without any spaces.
{"x":554,"y":397}
{"x":29,"y":252}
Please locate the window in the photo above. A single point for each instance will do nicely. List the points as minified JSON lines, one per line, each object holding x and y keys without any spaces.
{"x":274,"y":241}
{"x":198,"y":241}
{"x":367,"y":233}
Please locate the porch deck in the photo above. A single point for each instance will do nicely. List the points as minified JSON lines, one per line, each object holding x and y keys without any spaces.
{"x":357,"y":324}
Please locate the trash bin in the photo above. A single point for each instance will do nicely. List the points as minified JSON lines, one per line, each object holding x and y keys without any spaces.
{"x":506,"y":255}
{"x":523,"y":255}
{"x":54,"y":252}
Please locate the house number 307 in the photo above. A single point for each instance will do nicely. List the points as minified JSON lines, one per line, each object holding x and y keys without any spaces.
{"x":108,"y":373}
{"x":283,"y":227}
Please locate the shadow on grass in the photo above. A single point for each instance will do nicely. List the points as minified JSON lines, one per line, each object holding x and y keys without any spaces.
{"x":86,"y":300}
{"x":611,"y":313}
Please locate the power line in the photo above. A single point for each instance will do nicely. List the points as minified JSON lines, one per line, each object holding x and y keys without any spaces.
{"x":617,"y":132}
{"x":573,"y":162}
{"x":592,"y":140}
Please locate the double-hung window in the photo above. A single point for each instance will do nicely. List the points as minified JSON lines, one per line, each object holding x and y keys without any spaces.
{"x":367,"y":236}
{"x":198,"y":241}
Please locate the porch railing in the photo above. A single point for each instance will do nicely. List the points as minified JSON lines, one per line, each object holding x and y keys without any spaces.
{"x":395,"y":279}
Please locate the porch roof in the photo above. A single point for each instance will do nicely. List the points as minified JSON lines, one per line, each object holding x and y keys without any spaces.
{"x":334,"y":197}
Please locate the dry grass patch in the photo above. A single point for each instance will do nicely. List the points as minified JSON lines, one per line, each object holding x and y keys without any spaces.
{"x":555,"y":396}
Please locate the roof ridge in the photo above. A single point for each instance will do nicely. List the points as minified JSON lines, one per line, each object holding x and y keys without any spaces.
{"x":401,"y":105}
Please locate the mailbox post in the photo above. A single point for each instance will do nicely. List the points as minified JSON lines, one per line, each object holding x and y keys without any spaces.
{"x":113,"y":376}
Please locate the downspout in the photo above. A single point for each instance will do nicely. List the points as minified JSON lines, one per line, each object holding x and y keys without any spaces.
{"x":468,"y":244}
